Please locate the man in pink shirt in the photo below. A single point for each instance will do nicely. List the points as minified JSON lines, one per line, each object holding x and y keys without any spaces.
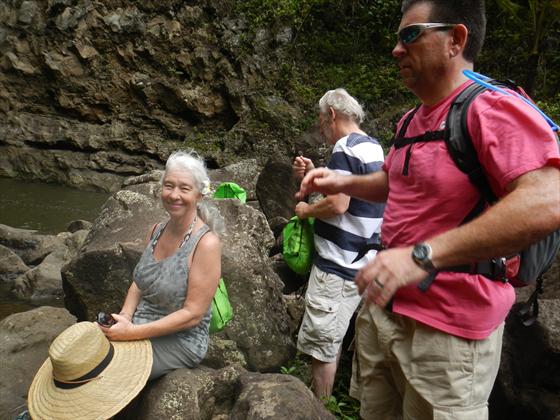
{"x":434,"y":354}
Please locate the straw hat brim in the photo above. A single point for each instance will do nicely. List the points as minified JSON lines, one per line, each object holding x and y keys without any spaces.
{"x":100,"y":399}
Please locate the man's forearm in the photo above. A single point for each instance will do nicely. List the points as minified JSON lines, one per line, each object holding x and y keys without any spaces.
{"x":521,"y":218}
{"x":330,"y":206}
{"x":373,"y":187}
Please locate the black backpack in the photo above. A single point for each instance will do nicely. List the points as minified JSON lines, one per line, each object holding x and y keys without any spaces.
{"x":534,"y":260}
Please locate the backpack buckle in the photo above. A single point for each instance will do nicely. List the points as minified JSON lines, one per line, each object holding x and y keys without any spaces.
{"x":499,"y":269}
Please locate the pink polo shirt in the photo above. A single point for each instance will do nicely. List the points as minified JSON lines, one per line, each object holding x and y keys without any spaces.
{"x":511,"y":139}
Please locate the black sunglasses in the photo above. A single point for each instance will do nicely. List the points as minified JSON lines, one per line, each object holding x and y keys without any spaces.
{"x":411,"y":33}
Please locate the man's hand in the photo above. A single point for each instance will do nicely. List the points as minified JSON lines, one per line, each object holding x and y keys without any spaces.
{"x":390,"y":270}
{"x":321,"y":180}
{"x":301,"y":209}
{"x":301,"y":166}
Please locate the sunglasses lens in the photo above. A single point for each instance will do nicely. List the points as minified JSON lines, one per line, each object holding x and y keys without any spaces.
{"x":409,"y":34}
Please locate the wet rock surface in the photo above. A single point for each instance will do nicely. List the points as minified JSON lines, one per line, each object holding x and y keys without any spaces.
{"x":94,"y":92}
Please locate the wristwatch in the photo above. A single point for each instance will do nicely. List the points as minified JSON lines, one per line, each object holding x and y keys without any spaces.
{"x":422,"y":256}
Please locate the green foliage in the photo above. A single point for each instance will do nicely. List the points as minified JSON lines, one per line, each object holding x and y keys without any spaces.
{"x":298,"y":368}
{"x":174,"y":71}
{"x":522,"y":42}
{"x":348,"y":43}
{"x":342,"y":44}
{"x":340,"y":403}
{"x":343,"y":408}
{"x":288,"y":370}
{"x":263,"y":13}
{"x":551,"y":108}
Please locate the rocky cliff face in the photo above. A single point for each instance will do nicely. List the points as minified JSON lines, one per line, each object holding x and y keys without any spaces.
{"x":93,"y":91}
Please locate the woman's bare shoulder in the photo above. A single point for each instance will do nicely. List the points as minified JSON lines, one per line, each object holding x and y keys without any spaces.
{"x":210,"y":241}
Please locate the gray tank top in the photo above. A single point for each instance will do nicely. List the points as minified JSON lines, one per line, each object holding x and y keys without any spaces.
{"x":164,"y":287}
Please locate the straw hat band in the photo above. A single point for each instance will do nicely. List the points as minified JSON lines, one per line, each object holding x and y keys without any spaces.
{"x":78,"y":351}
{"x":90,"y":376}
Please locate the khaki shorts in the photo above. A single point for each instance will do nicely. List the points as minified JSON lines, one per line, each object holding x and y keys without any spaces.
{"x":406,"y":370}
{"x":330,"y":302}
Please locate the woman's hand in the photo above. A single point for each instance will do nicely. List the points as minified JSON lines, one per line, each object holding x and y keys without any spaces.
{"x":123,"y":330}
{"x":126,"y":315}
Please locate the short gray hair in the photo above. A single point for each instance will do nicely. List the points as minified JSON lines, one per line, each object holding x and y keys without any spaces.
{"x":342,"y":102}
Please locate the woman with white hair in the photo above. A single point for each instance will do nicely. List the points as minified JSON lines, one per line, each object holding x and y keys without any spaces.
{"x":169,"y":300}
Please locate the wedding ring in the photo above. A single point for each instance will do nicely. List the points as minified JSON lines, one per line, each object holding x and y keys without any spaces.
{"x":379,"y":284}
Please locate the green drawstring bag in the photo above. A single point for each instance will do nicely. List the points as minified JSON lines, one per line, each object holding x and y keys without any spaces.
{"x":297,"y":245}
{"x":230,"y":190}
{"x":222,"y":312}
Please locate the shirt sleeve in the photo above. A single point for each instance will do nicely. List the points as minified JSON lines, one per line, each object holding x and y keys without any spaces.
{"x":356,"y":155}
{"x":511,"y":138}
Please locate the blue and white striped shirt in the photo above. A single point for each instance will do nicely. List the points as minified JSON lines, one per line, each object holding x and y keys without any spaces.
{"x":338,"y":239}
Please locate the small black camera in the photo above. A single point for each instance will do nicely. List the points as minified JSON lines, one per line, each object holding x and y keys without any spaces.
{"x":105,"y":319}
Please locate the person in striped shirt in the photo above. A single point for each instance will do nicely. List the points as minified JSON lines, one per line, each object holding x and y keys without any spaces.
{"x":343,"y":227}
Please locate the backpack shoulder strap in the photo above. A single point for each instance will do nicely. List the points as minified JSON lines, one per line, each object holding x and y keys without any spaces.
{"x":459,"y":142}
{"x":406,"y":122}
{"x":400,"y":140}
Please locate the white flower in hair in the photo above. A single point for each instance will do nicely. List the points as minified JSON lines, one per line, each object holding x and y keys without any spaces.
{"x":205,"y":188}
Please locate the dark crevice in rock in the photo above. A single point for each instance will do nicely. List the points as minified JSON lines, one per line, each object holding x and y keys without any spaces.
{"x":229,"y":116}
{"x":124,"y":174}
{"x":72,"y":300}
{"x":59,"y":145}
{"x":211,"y":163}
{"x":170,"y":101}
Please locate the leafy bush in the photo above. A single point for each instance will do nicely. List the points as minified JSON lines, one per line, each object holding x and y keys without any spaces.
{"x":551,"y":108}
{"x":339,"y":403}
{"x":343,"y":408}
{"x":263,"y":13}
{"x":348,"y":43}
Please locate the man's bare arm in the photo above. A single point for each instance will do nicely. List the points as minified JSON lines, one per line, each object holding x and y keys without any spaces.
{"x":373,"y":187}
{"x":330,"y":206}
{"x":527,"y":213}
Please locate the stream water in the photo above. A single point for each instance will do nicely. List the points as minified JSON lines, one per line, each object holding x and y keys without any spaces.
{"x":47,"y":208}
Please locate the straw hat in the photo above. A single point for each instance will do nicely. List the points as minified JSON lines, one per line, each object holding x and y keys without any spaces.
{"x":87,"y":377}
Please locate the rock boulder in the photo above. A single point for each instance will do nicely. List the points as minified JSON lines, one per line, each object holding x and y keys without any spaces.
{"x":24,"y":341}
{"x":229,"y":393}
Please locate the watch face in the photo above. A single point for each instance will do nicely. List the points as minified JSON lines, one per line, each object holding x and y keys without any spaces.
{"x":422,"y":256}
{"x":421,"y":252}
